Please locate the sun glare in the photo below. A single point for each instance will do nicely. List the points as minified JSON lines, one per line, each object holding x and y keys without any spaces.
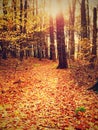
{"x":55,"y":8}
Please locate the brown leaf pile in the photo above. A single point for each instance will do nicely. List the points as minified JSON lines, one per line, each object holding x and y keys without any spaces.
{"x":34,"y":95}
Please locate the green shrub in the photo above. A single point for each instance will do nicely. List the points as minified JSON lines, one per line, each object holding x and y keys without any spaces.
{"x":80,"y":109}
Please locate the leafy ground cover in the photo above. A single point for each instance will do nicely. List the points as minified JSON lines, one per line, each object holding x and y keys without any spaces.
{"x":34,"y":95}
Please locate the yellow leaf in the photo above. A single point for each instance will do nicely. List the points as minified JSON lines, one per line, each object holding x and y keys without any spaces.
{"x":1,"y":107}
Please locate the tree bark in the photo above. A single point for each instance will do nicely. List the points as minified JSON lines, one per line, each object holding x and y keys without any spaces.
{"x":52,"y":47}
{"x":25,"y":16}
{"x":94,"y":41}
{"x":21,"y":9}
{"x":15,"y":14}
{"x":61,"y":41}
{"x":5,"y":15}
{"x":36,"y":7}
{"x":83,"y":20}
{"x":71,"y":25}
{"x":33,"y":7}
{"x":88,"y":21}
{"x":4,"y":49}
{"x":94,"y":49}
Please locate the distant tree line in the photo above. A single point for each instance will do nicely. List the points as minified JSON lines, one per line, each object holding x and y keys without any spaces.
{"x":26,"y":28}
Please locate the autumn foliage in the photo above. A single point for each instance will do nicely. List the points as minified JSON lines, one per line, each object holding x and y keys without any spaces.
{"x":34,"y":95}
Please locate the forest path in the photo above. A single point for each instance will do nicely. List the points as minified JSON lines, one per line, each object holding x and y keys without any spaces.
{"x":37,"y":96}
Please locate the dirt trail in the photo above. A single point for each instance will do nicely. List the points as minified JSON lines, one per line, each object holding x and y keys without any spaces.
{"x":40,"y":97}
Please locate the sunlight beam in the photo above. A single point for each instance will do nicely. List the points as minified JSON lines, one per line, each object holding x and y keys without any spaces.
{"x":54,"y":8}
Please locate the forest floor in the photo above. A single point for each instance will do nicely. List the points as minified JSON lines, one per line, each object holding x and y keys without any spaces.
{"x":34,"y":95}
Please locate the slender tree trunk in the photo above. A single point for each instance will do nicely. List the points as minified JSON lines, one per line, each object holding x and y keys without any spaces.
{"x":33,"y":7}
{"x":21,"y":9}
{"x":35,"y":45}
{"x":4,"y":46}
{"x":15,"y":14}
{"x":94,"y":41}
{"x":88,"y":21}
{"x":61,"y":41}
{"x":45,"y":42}
{"x":25,"y":16}
{"x":5,"y":15}
{"x":71,"y":34}
{"x":44,"y":4}
{"x":94,"y":49}
{"x":83,"y":20}
{"x":36,"y":7}
{"x":4,"y":50}
{"x":35,"y":50}
{"x":46,"y":50}
{"x":21,"y":53}
{"x":52,"y":46}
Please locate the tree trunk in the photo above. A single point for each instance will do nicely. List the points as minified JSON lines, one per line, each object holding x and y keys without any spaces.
{"x":61,"y":41}
{"x":46,"y":50}
{"x":83,"y":20}
{"x":35,"y":50}
{"x":94,"y":41}
{"x":33,"y":7}
{"x":25,"y":16}
{"x":36,"y":7}
{"x":52,"y":47}
{"x":4,"y":49}
{"x":15,"y":13}
{"x":21,"y":52}
{"x":21,"y":9}
{"x":45,"y":42}
{"x":88,"y":21}
{"x":94,"y":49}
{"x":5,"y":15}
{"x":71,"y":22}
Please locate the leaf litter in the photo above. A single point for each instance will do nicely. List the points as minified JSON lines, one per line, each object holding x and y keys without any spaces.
{"x":37,"y":96}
